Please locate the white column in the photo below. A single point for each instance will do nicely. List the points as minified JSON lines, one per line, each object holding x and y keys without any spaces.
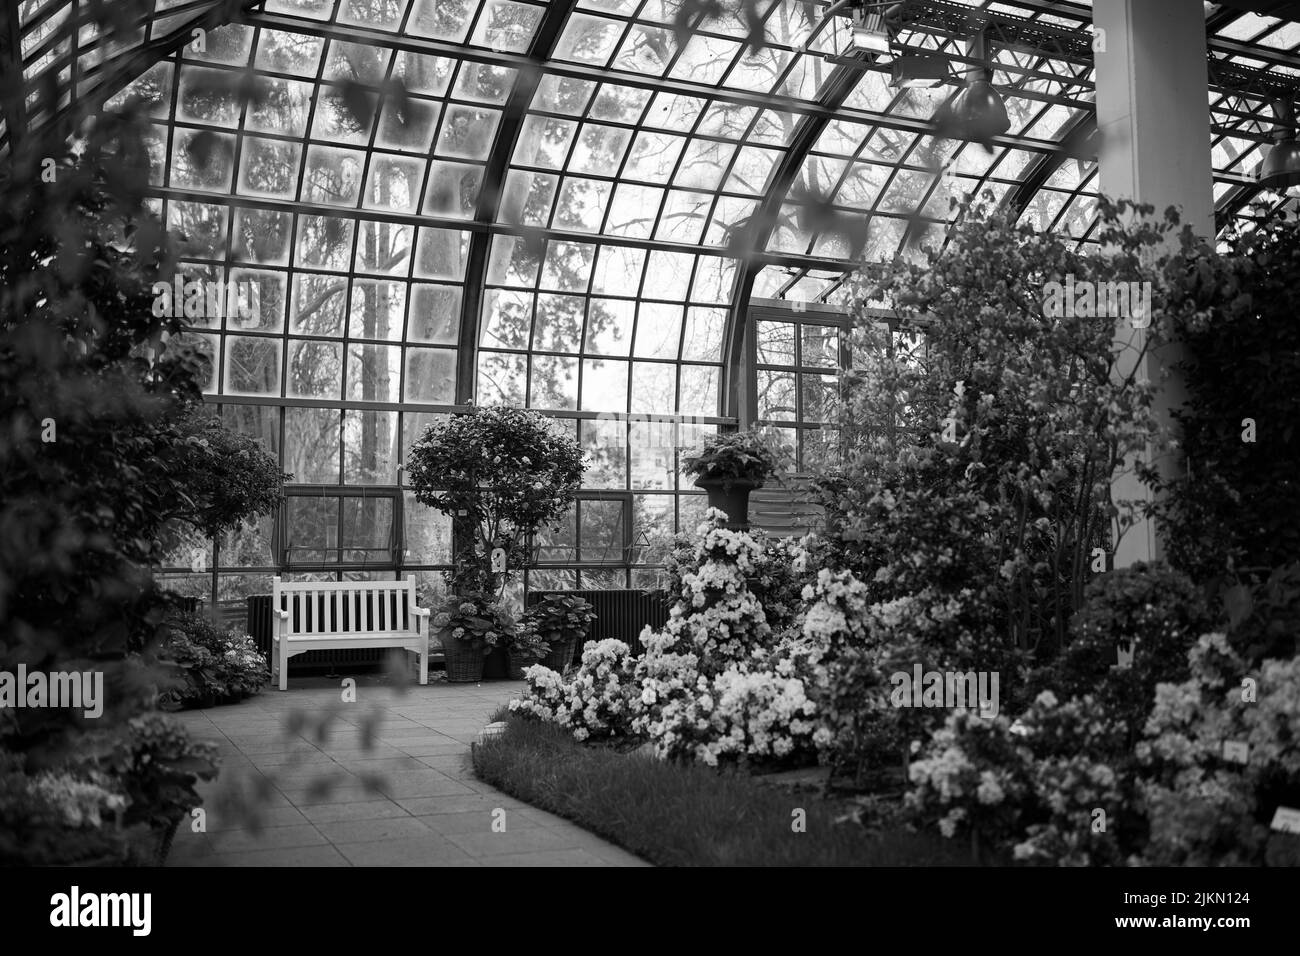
{"x":1153,"y":123}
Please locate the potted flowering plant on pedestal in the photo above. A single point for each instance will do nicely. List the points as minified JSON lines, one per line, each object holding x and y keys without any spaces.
{"x":470,"y":627}
{"x":562,"y":620}
{"x":729,"y":467}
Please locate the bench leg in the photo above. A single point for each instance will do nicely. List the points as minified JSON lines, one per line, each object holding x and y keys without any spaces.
{"x":284,"y":664}
{"x":424,"y":662}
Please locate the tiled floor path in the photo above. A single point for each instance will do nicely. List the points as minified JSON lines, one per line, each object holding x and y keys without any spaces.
{"x":429,"y":810}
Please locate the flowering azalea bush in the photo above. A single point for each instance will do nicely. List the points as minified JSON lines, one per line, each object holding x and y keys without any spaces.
{"x":597,"y":701}
{"x":715,"y":684}
{"x":1032,"y":786}
{"x":862,"y":643}
{"x":1204,"y":808}
{"x":1150,"y":612}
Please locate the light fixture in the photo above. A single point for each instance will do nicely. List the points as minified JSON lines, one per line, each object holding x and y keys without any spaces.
{"x":979,"y":109}
{"x":1281,"y":167}
{"x":910,"y":72}
{"x":869,"y":30}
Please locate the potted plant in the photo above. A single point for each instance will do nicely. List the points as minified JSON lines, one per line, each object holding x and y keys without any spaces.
{"x":527,"y":648}
{"x":729,"y":467}
{"x":501,"y":474}
{"x":470,"y":626}
{"x":561,"y":620}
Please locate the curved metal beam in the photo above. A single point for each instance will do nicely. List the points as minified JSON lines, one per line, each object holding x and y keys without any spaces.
{"x":492,"y":189}
{"x":733,"y":399}
{"x":121,"y":71}
{"x":1075,"y":144}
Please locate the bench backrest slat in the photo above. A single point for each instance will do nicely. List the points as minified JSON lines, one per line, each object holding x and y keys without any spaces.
{"x":347,"y":607}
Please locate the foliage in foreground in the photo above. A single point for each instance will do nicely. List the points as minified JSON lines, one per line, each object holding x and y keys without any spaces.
{"x":683,"y":814}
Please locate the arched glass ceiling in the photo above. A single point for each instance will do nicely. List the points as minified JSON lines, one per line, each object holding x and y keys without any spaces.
{"x":569,"y":204}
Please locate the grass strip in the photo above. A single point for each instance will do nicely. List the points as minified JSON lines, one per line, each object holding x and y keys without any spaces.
{"x":674,"y":814}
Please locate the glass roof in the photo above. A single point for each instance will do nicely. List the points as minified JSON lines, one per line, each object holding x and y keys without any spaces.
{"x":597,"y":125}
{"x":575,"y":205}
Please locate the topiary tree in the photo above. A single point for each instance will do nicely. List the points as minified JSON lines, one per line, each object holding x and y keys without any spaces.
{"x":502,"y":474}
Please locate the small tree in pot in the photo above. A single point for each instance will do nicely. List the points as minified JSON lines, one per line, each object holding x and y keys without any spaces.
{"x":501,"y":474}
{"x":729,"y":467}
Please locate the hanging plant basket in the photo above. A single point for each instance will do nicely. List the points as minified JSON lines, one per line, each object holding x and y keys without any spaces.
{"x":464,"y":660}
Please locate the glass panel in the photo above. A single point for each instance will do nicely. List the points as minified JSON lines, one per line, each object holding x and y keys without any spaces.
{"x":311,"y":439}
{"x":600,"y":532}
{"x":428,"y":533}
{"x":369,"y":447}
{"x":367,"y":530}
{"x":311,"y":529}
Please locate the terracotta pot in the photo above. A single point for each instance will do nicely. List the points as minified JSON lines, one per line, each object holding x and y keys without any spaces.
{"x":732,"y":499}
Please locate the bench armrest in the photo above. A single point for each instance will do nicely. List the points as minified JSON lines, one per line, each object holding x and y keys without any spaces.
{"x":284,"y":615}
{"x":420,"y":611}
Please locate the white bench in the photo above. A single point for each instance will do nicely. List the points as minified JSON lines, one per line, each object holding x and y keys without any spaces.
{"x":324,"y":615}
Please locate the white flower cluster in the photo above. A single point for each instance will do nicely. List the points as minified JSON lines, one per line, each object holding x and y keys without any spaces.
{"x":80,"y":803}
{"x":713,"y":684}
{"x":597,"y":701}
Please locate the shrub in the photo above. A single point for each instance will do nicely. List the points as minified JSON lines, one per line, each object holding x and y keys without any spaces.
{"x":215,"y":661}
{"x":1232,"y":509}
{"x":157,"y":765}
{"x":57,"y":818}
{"x":982,"y":430}
{"x":1204,"y":809}
{"x":715,"y":684}
{"x":1151,"y":610}
{"x":1027,"y":789}
{"x":596,"y":702}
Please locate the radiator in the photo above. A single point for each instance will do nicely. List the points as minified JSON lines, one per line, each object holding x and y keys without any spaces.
{"x":620,"y":614}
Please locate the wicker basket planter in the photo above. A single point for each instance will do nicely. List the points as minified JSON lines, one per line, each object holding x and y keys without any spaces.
{"x":464,"y":660}
{"x":560,"y":656}
{"x":519,"y":661}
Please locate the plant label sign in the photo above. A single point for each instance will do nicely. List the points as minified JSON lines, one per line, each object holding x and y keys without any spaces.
{"x":1236,"y":751}
{"x":1286,"y":819}
{"x":498,"y":560}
